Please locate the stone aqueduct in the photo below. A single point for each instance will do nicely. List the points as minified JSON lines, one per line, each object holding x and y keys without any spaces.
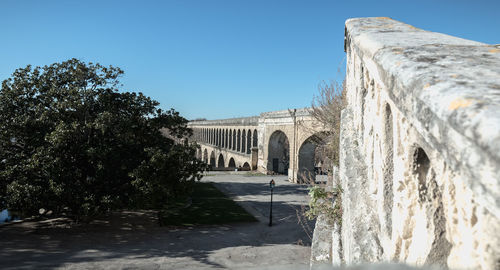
{"x":279,"y":142}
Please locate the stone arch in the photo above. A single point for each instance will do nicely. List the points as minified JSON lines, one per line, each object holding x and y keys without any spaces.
{"x":234,"y":139}
{"x":308,"y":160}
{"x":245,"y":167}
{"x":212,"y":159}
{"x":213,"y":136}
{"x":254,"y":138}
{"x":221,"y":144}
{"x":205,"y":156}
{"x":430,"y":198}
{"x":421,"y":168}
{"x":388,"y":169}
{"x":278,"y":153}
{"x":243,"y":141}
{"x":223,"y":139}
{"x":238,"y":143}
{"x":218,"y":137}
{"x":249,"y":142}
{"x":231,"y":163}
{"x":220,"y":161}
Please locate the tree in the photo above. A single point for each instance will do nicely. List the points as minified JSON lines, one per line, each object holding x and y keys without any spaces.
{"x":70,"y":142}
{"x":326,"y":109}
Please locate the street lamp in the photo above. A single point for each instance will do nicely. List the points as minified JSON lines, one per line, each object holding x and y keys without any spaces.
{"x":271,"y":185}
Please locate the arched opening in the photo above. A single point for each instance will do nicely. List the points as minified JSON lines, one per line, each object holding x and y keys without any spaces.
{"x":205,"y":156}
{"x":217,"y":143}
{"x":212,"y":159}
{"x":254,"y":138}
{"x":238,"y":143}
{"x":278,"y":154}
{"x":421,"y":166}
{"x":244,"y":141}
{"x":216,"y":137}
{"x":308,"y":166}
{"x":198,"y":154}
{"x":220,"y":161}
{"x":222,"y":138}
{"x":246,"y":167}
{"x":231,"y":164}
{"x":234,"y":139}
{"x":430,"y":197}
{"x":249,"y":142}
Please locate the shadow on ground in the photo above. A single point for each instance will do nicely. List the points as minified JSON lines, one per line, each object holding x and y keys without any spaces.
{"x":134,"y":239}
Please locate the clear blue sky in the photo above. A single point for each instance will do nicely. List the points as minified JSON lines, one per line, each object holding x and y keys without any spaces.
{"x":218,"y":59}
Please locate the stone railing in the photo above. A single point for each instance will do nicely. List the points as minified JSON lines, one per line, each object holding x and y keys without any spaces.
{"x":420,"y":148}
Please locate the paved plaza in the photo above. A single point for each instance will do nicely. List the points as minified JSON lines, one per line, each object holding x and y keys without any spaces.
{"x":133,"y":239}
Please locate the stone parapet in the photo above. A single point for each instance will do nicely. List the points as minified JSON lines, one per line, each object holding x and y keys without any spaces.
{"x":448,"y":87}
{"x":420,"y":147}
{"x":240,"y":121}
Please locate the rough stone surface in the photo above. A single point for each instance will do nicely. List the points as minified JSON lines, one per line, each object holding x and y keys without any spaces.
{"x":360,"y":234}
{"x":321,"y":247}
{"x":337,"y":250}
{"x":420,"y":147}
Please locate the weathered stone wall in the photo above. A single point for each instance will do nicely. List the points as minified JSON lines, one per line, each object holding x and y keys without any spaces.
{"x":420,"y":148}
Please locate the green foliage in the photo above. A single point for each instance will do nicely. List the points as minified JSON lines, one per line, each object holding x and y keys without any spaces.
{"x":326,"y":203}
{"x":70,"y":142}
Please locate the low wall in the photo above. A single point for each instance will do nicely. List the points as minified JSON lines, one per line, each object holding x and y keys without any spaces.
{"x":420,"y":148}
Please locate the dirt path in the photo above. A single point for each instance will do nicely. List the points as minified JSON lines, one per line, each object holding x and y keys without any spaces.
{"x":133,"y":240}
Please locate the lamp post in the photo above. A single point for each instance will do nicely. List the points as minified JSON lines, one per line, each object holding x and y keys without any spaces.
{"x":271,"y":185}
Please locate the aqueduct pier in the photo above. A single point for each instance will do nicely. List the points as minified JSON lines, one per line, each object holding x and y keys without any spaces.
{"x":280,"y":142}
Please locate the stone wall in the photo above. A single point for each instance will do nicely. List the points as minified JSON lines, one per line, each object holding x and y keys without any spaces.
{"x":420,"y":148}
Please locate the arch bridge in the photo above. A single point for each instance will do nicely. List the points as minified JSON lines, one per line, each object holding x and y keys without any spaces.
{"x":280,"y":142}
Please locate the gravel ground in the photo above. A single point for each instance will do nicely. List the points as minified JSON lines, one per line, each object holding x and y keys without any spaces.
{"x":133,"y":239}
